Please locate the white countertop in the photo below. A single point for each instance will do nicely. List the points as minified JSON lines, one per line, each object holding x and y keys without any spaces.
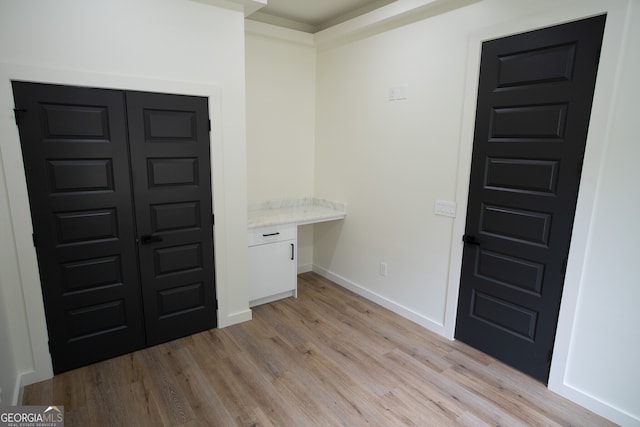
{"x":307,"y":210}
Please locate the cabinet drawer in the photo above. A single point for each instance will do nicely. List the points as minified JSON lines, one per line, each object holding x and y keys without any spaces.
{"x":271,"y":234}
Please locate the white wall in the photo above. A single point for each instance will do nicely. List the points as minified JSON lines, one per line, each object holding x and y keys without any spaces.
{"x":174,"y":46}
{"x":391,"y":160}
{"x":15,"y":351}
{"x":607,"y":318}
{"x":280,"y":76}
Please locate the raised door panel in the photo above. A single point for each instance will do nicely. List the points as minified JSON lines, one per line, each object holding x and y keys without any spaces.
{"x":170,"y":155}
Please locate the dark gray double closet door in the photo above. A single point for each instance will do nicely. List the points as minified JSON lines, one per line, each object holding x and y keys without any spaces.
{"x":120,"y":193}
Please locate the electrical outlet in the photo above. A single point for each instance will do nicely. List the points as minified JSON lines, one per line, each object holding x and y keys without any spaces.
{"x":383,"y":269}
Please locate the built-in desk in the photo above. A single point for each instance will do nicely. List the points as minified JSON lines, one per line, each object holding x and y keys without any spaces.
{"x":308,"y":210}
{"x":272,"y":239}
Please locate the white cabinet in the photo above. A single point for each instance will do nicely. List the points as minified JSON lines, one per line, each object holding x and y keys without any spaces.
{"x":272,"y":263}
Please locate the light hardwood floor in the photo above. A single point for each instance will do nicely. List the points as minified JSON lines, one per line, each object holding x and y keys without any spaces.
{"x":327,"y":358}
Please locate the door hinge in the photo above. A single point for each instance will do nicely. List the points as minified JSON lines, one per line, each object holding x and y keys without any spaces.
{"x":213,"y":219}
{"x":564,"y":266}
{"x":209,"y":125}
{"x":33,"y":236}
{"x":549,"y":355}
{"x":16,"y":114}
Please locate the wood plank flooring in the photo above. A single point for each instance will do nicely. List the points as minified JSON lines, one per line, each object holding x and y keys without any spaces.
{"x":328,"y":358}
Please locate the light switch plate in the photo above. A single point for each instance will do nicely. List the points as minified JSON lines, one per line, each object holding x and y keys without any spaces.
{"x":398,"y":93}
{"x":445,"y":208}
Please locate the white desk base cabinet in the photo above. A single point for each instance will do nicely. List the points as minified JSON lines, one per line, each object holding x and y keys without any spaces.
{"x":272,"y":263}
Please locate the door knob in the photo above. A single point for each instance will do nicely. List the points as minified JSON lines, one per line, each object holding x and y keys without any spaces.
{"x":470,"y":240}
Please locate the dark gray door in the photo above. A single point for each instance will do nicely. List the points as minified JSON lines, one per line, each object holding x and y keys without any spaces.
{"x":74,"y":144}
{"x":95,"y":246}
{"x":172,"y":187}
{"x":534,"y":102}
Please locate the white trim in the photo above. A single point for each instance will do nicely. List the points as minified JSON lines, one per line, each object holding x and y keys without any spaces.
{"x":399,"y":309}
{"x":276,"y":297}
{"x":385,"y":18}
{"x":305,"y":268}
{"x":18,"y":390}
{"x":602,"y":118}
{"x":393,"y":15}
{"x":247,"y":6}
{"x":234,"y":318}
{"x":273,"y":31}
{"x":596,"y":405}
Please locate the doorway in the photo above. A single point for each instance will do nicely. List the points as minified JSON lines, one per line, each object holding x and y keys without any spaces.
{"x":534,"y":102}
{"x":120,"y":194}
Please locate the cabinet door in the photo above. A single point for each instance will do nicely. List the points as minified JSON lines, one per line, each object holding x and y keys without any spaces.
{"x":272,"y":269}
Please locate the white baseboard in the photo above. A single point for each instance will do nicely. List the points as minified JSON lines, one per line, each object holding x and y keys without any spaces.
{"x":235,"y":318}
{"x":16,"y":399}
{"x":594,"y":404}
{"x":305,"y":268}
{"x":272,"y":298}
{"x":24,"y":379}
{"x":401,"y":310}
{"x":18,"y":390}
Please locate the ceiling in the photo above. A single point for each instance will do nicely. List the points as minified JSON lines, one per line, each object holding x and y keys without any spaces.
{"x":313,"y":15}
